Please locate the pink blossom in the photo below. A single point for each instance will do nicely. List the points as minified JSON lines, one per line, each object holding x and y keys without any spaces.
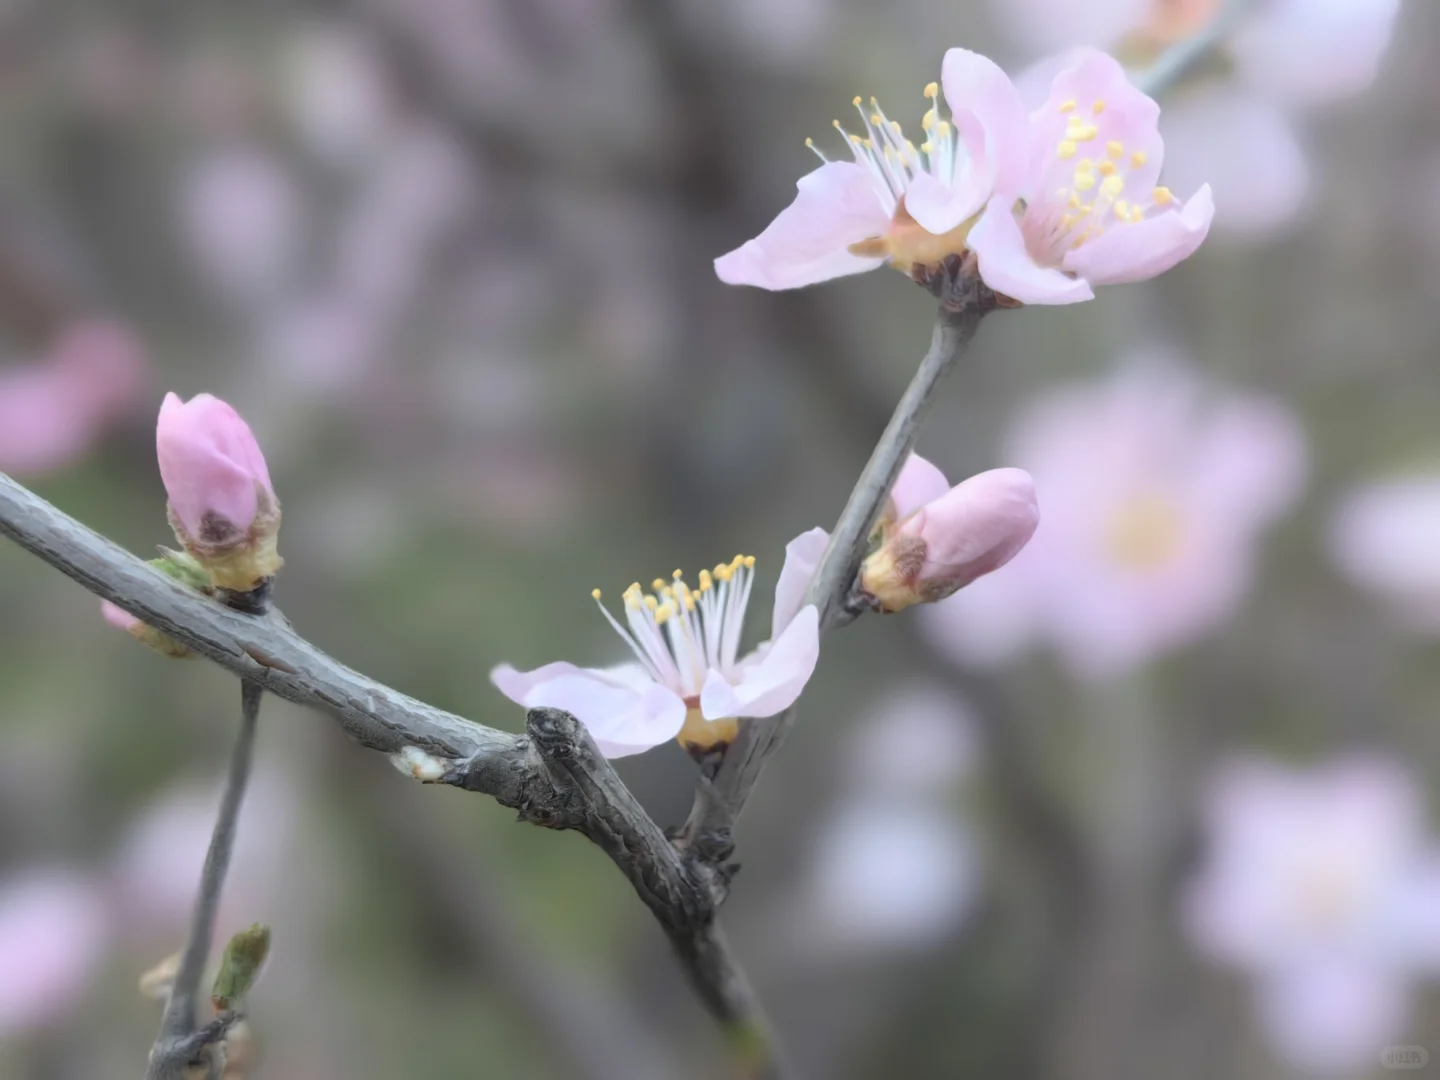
{"x":213,"y":469}
{"x":1316,"y":884}
{"x":689,"y":673}
{"x":54,"y":411}
{"x":240,"y":214}
{"x":919,"y":740}
{"x":53,"y":936}
{"x":1382,"y":537}
{"x":885,"y":874}
{"x":1086,"y":211}
{"x":895,"y":203}
{"x":1156,"y":488}
{"x":951,"y":536}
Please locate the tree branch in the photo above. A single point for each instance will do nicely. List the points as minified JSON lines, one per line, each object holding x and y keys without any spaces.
{"x":175,"y":1048}
{"x":554,"y":776}
{"x":718,"y":803}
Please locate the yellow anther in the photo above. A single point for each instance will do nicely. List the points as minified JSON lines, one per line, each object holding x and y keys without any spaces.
{"x":657,"y":584}
{"x":1073,"y":202}
{"x":1137,"y":213}
{"x":1112,"y":186}
{"x":1084,"y":165}
{"x":595,"y":594}
{"x":810,"y":143}
{"x":1122,"y":209}
{"x":706,"y":581}
{"x":1107,"y":168}
{"x":678,"y":574}
{"x":857,"y":140}
{"x":1163,"y":196}
{"x":1084,"y":181}
{"x":932,"y":89}
{"x":895,"y":127}
{"x":928,"y":120}
{"x":651,"y":603}
{"x":1115,"y":148}
{"x":1084,"y":132}
{"x":943,"y":129}
{"x":635,"y":587}
{"x":927,"y":147}
{"x":869,"y":144}
{"x":856,"y":101}
{"x":1067,"y":149}
{"x":1098,"y":108}
{"x":1138,"y":158}
{"x":1067,"y":106}
{"x":749,"y":562}
{"x":875,"y":119}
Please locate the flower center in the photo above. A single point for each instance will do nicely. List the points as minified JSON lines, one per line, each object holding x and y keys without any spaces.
{"x":1144,"y":533}
{"x":1329,"y":895}
{"x":893,"y":160}
{"x":1098,"y":188}
{"x":678,"y":633}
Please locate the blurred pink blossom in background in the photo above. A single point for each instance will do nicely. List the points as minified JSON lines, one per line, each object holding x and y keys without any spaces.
{"x":1383,"y":537}
{"x":1235,"y":130}
{"x":54,"y":932}
{"x":920,"y":738}
{"x":1156,"y":488}
{"x":1322,"y":886}
{"x":54,"y":410}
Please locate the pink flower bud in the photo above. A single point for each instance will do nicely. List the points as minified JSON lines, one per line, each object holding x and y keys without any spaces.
{"x":222,"y":506}
{"x":164,"y":644}
{"x":118,"y":617}
{"x":974,"y":528}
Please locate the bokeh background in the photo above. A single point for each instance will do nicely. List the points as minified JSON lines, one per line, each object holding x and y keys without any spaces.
{"x":1160,"y":812}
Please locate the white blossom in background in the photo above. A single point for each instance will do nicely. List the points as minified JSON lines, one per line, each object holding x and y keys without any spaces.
{"x":1157,"y":487}
{"x":156,"y":868}
{"x":240,"y":218}
{"x":1323,"y":887}
{"x":336,"y":93}
{"x":1383,"y":537}
{"x":920,"y":739}
{"x":54,"y":933}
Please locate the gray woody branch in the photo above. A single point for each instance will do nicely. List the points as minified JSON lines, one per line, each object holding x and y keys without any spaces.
{"x":553,"y":775}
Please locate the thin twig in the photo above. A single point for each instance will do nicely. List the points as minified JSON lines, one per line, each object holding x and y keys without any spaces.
{"x":719,"y":803}
{"x":553,"y":775}
{"x":175,"y":1048}
{"x":1182,"y":57}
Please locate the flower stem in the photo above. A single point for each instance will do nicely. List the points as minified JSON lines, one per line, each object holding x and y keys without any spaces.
{"x":1182,"y":57}
{"x":174,"y":1048}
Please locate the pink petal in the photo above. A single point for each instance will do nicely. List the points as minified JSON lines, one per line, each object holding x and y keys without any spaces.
{"x":117,"y":617}
{"x":1333,"y":1016}
{"x":938,"y":207}
{"x":1144,"y":249}
{"x":920,"y":482}
{"x":836,"y":206}
{"x":621,"y":719}
{"x":977,"y":527}
{"x":802,"y":556}
{"x":53,"y":933}
{"x":209,"y":461}
{"x":768,"y":683}
{"x":1007,"y":267}
{"x":991,"y":119}
{"x":516,"y":685}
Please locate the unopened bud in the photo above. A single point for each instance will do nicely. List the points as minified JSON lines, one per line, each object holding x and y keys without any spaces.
{"x":222,"y":505}
{"x":240,"y":967}
{"x":174,"y":564}
{"x":972,"y":529}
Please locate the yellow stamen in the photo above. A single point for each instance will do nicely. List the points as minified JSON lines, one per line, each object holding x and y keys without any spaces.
{"x":1107,"y":168}
{"x":1084,"y":181}
{"x":1098,"y":108}
{"x":1112,"y":186}
{"x":1138,"y":158}
{"x":856,"y":100}
{"x":595,"y":594}
{"x":931,"y":89}
{"x":1163,"y":196}
{"x":1066,"y":150}
{"x":1115,"y":149}
{"x":1067,"y":106}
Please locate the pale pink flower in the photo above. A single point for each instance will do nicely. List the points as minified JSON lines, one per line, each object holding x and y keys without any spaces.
{"x":1087,"y":210}
{"x":895,"y":202}
{"x":1320,"y":885}
{"x":52,"y":412}
{"x":118,"y":617}
{"x":1382,"y":537}
{"x":885,"y":874}
{"x":1299,"y":51}
{"x":222,"y":504}
{"x":920,"y":739}
{"x":944,"y":538}
{"x":240,"y":216}
{"x":1156,"y":488}
{"x":53,"y":935}
{"x":690,"y":674}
